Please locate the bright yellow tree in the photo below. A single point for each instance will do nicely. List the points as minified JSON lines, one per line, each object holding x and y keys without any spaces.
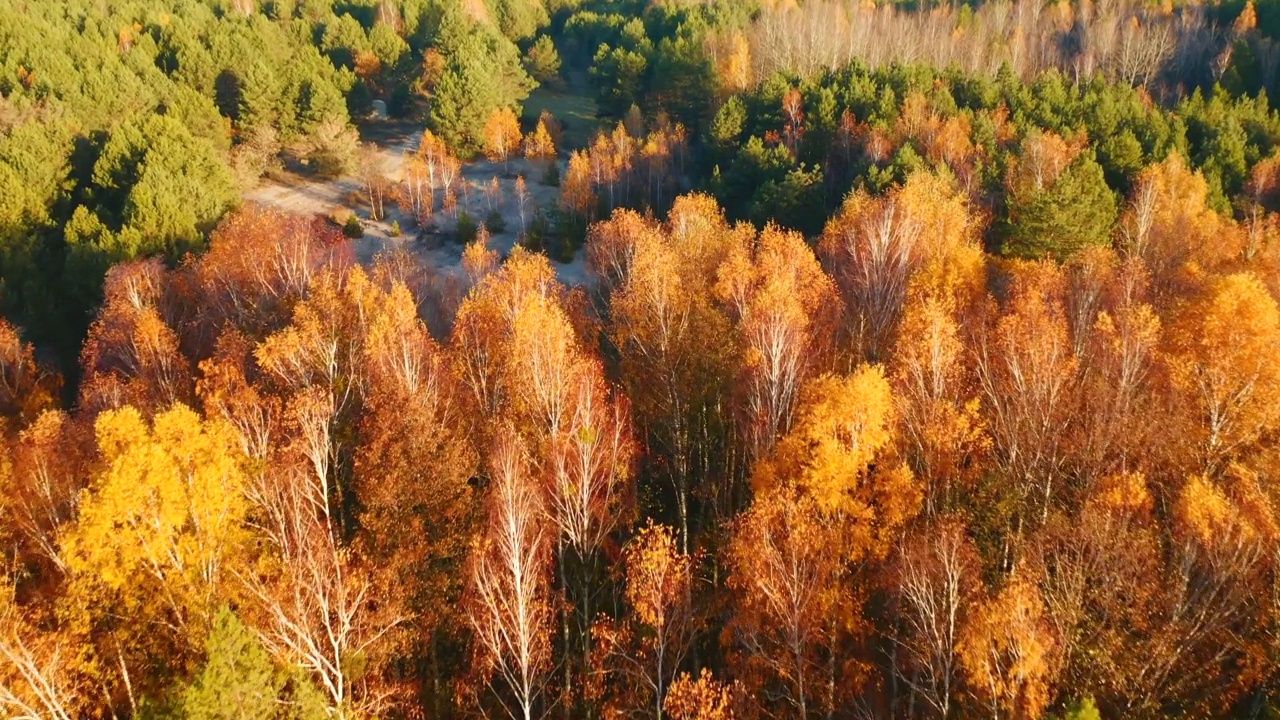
{"x":502,"y":135}
{"x":161,"y":529}
{"x":1007,"y":652}
{"x":1222,"y":364}
{"x":839,"y":453}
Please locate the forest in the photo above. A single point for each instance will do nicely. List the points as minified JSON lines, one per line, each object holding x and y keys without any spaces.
{"x":852,"y":360}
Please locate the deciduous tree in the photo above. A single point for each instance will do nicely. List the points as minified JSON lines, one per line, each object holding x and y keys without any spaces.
{"x":502,"y":135}
{"x":160,"y":530}
{"x":875,"y":246}
{"x":509,"y":601}
{"x":704,"y":698}
{"x":786,"y":310}
{"x":787,"y":600}
{"x":643,"y":651}
{"x":1219,"y":363}
{"x":42,"y":490}
{"x":27,"y":388}
{"x":1026,"y":369}
{"x":132,"y":354}
{"x":936,"y":581}
{"x":1006,"y":650}
{"x":36,"y":675}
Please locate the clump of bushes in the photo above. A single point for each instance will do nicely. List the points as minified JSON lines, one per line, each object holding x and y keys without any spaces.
{"x":352,"y":227}
{"x":495,"y":222}
{"x":467,"y":228}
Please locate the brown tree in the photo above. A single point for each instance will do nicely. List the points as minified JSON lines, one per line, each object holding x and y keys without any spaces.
{"x":1099,"y":575}
{"x":260,"y":263}
{"x":36,"y":675}
{"x":411,"y":469}
{"x":1026,"y":369}
{"x":132,"y":355}
{"x":27,"y":388}
{"x":373,"y":177}
{"x":787,"y":600}
{"x":42,"y":490}
{"x":314,"y":606}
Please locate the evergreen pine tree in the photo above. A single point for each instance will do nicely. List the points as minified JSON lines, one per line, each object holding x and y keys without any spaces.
{"x":237,"y":681}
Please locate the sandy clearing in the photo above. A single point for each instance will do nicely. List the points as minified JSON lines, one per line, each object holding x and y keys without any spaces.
{"x":432,"y":244}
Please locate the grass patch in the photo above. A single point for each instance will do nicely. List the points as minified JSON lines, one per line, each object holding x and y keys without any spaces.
{"x":576,"y":111}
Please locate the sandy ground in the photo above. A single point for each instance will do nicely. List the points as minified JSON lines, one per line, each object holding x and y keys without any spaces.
{"x":433,"y":244}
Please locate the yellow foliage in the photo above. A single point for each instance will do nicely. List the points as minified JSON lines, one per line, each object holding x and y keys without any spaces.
{"x":841,"y":425}
{"x":502,"y":135}
{"x":702,"y":699}
{"x":659,"y":576}
{"x":161,"y":529}
{"x":844,"y":425}
{"x":539,"y":144}
{"x":1169,"y":223}
{"x":735,"y":65}
{"x":478,"y":259}
{"x":1235,"y":511}
{"x":169,"y":503}
{"x":1204,"y":511}
{"x":1006,"y":651}
{"x":922,"y":236}
{"x":939,"y":408}
{"x":1247,"y":20}
{"x":1125,"y":493}
{"x":1222,"y":361}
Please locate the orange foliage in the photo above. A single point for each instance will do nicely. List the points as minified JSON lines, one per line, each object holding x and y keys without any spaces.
{"x":1026,"y":370}
{"x":877,"y":245}
{"x":502,"y":135}
{"x":1171,"y":228}
{"x":27,"y":388}
{"x":1220,"y":356}
{"x":132,"y":354}
{"x":786,"y":310}
{"x":1006,"y":650}
{"x":703,"y":699}
{"x":788,"y":603}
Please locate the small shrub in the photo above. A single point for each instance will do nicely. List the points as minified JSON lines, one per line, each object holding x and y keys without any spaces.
{"x":467,"y":228}
{"x":552,"y":176}
{"x":395,"y":228}
{"x":352,"y":228}
{"x":564,"y":251}
{"x":538,"y":231}
{"x":495,"y":222}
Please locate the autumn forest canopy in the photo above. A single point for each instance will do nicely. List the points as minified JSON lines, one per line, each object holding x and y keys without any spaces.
{"x":800,"y":359}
